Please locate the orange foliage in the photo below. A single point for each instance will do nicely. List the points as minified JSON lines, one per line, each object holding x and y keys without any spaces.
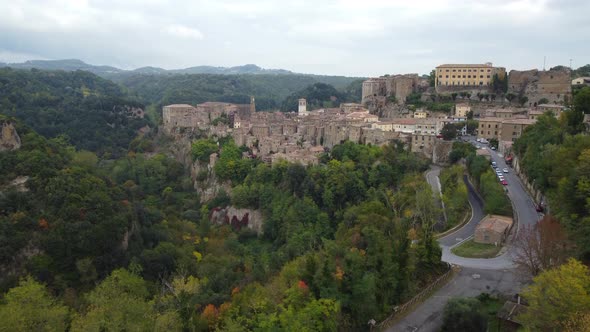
{"x":302,"y":285}
{"x":339,"y":273}
{"x":210,"y":314}
{"x":235,"y":291}
{"x":43,"y":224}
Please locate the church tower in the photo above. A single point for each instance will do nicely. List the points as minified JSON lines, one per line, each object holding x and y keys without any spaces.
{"x":252,"y":105}
{"x":302,"y":110}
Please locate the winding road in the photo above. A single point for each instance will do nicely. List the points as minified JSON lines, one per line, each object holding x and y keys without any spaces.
{"x":494,"y":275}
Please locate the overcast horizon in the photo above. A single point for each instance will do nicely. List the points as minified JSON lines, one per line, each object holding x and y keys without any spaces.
{"x":335,"y":37}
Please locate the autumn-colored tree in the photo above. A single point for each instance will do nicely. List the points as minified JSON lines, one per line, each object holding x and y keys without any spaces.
{"x":579,"y":322}
{"x":210,"y":314}
{"x":541,"y":246}
{"x":557,"y":296}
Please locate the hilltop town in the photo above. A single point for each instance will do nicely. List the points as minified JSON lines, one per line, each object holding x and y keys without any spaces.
{"x":505,"y":104}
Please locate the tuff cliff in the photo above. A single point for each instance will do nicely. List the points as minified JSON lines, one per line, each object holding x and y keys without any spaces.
{"x":9,"y":139}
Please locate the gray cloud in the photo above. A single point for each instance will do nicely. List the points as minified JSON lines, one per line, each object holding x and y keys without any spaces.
{"x":347,"y":37}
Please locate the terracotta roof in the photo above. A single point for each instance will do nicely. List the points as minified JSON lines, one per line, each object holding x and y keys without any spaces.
{"x":405,"y":121}
{"x":179,"y":106}
{"x":551,"y":106}
{"x":520,"y":121}
{"x":495,"y":223}
{"x":478,"y":65}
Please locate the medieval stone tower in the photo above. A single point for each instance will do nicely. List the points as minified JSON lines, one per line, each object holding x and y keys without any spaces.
{"x":302,"y":110}
{"x":252,"y":105}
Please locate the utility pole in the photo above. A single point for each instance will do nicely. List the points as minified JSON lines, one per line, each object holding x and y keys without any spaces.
{"x":571,"y":64}
{"x":544,"y":59}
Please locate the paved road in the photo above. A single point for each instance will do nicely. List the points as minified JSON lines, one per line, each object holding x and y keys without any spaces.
{"x":495,"y":274}
{"x":469,"y":282}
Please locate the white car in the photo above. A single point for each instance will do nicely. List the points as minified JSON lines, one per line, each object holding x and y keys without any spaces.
{"x":505,"y":170}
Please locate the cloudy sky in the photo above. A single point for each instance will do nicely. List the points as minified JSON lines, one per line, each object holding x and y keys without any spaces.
{"x":343,"y":37}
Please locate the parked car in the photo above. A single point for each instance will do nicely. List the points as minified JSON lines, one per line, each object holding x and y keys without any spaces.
{"x":505,"y":170}
{"x":494,"y":165}
{"x":493,"y":148}
{"x":504,"y":182}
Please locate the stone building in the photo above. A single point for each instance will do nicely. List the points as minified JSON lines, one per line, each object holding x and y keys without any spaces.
{"x":555,"y":109}
{"x":581,"y":81}
{"x":379,"y":89}
{"x":457,"y":77}
{"x":489,"y":128}
{"x":536,"y":85}
{"x":461,"y":110}
{"x":423,"y":143}
{"x":180,"y":115}
{"x":513,"y":128}
{"x":492,"y":229}
{"x":503,"y":129}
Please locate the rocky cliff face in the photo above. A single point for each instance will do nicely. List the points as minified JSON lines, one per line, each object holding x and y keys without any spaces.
{"x":9,"y":139}
{"x":237,"y":218}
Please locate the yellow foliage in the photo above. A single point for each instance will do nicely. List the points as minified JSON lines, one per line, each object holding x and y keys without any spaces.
{"x":339,"y":273}
{"x":197,"y":255}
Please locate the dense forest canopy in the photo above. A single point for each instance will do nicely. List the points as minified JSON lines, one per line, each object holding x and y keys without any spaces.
{"x":93,"y":113}
{"x":270,"y":90}
{"x":332,"y":253}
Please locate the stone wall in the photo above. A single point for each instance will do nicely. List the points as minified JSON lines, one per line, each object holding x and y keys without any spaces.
{"x":553,"y":85}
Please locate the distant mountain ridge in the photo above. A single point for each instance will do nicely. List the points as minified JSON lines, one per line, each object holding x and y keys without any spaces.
{"x":75,"y":64}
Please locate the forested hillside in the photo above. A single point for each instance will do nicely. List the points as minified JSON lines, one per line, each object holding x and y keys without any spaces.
{"x":126,"y":245}
{"x":321,"y":95}
{"x":555,"y":155}
{"x":92,"y":113}
{"x":270,"y":90}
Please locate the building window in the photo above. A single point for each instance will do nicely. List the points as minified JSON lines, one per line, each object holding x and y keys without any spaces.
{"x":480,"y":83}
{"x":480,"y":76}
{"x":468,"y":76}
{"x":447,"y":76}
{"x":489,"y":70}
{"x":453,"y":75}
{"x":488,"y":76}
{"x":447,"y":70}
{"x":454,"y":70}
{"x":463,"y":76}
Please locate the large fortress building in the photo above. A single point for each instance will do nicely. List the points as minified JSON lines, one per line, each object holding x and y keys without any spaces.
{"x":466,"y":76}
{"x":396,"y":87}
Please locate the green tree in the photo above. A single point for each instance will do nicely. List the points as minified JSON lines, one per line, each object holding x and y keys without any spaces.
{"x":556,"y":296}
{"x":464,"y":314}
{"x":582,"y":101}
{"x":201,"y":149}
{"x":29,"y":307}
{"x":449,"y":131}
{"x":118,"y":303}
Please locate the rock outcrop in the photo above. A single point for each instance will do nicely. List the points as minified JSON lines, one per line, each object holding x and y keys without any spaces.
{"x":237,"y":218}
{"x":9,"y":139}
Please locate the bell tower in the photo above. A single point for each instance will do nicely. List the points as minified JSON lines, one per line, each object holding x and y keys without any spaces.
{"x":302,"y":110}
